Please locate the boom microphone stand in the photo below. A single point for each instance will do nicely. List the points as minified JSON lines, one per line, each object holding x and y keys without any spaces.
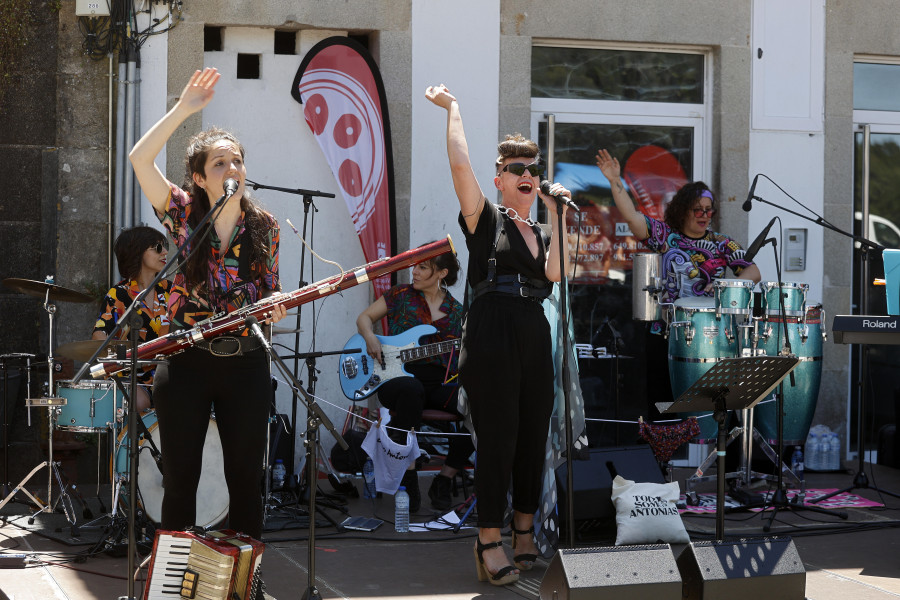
{"x":315,"y":418}
{"x":860,"y":480}
{"x":308,"y":196}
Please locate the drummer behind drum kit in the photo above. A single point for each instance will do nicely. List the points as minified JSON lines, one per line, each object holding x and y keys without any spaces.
{"x":99,"y":407}
{"x":704,"y":330}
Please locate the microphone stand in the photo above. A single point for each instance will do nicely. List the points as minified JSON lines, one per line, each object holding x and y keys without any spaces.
{"x":860,"y":480}
{"x":779,"y":500}
{"x":315,"y":418}
{"x":308,"y":196}
{"x":126,"y":317}
{"x":564,"y":324}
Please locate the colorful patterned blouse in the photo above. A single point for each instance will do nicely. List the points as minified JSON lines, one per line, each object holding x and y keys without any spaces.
{"x":225,"y":290}
{"x":154,"y":320}
{"x":691,"y":264}
{"x":407,"y":308}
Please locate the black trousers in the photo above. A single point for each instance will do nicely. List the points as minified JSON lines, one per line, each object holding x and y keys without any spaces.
{"x":659,"y":384}
{"x":506,"y":368}
{"x":406,"y":397}
{"x":186,"y":390}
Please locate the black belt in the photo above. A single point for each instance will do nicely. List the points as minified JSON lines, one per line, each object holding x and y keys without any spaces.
{"x":514,"y":285}
{"x":229,"y":345}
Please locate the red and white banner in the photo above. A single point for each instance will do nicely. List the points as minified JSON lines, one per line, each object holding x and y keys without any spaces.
{"x":345,"y":107}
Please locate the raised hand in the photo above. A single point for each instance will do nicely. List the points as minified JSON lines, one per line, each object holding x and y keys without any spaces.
{"x":440,"y":95}
{"x":609,"y":166}
{"x":200,"y":89}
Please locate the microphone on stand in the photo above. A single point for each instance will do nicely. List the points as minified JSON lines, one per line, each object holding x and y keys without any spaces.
{"x":545,"y":189}
{"x":748,"y":203}
{"x":759,"y":241}
{"x":231,"y":187}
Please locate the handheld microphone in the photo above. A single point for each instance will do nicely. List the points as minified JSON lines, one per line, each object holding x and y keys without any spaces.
{"x":758,"y":242}
{"x":545,"y":189}
{"x":231,"y":187}
{"x":748,"y":203}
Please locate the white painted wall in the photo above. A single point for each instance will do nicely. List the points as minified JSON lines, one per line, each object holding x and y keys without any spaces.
{"x":787,"y":137}
{"x":154,"y":73}
{"x":468,"y":65}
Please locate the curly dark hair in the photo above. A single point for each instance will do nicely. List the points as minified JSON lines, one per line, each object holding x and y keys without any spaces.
{"x":447,"y":261}
{"x":516,"y":146}
{"x":255,"y":218}
{"x":130,"y":246}
{"x":682,"y":203}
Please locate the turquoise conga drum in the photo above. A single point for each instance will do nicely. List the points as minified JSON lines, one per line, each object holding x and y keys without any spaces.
{"x":699,"y":336}
{"x":806,"y":335}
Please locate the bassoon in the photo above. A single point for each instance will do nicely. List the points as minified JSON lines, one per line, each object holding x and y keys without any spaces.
{"x":222,"y":324}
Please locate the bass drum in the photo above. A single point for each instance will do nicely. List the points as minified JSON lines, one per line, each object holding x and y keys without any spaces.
{"x":212,"y":493}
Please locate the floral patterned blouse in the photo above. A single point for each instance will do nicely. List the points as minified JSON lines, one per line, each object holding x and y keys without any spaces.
{"x":225,"y":290}
{"x":407,"y":308}
{"x":154,"y":318}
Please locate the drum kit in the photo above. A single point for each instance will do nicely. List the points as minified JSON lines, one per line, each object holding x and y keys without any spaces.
{"x":100,"y":407}
{"x":736,"y":322}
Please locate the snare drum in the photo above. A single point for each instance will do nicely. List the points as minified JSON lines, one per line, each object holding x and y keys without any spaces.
{"x":794,"y":297}
{"x":698,"y":339}
{"x":806,"y":336}
{"x":91,"y":406}
{"x":734,"y":296}
{"x":212,"y":492}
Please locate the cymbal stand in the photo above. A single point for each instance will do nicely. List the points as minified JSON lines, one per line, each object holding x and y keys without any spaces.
{"x":52,"y":405}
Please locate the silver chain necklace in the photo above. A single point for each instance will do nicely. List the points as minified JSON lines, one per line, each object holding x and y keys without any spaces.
{"x":512,"y":214}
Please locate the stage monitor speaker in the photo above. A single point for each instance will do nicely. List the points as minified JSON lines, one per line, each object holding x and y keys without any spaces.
{"x":635,"y":572}
{"x":747,"y":569}
{"x":592,"y":485}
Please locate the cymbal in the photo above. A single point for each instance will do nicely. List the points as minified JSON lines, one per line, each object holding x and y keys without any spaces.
{"x":39,"y":290}
{"x":85,"y":349}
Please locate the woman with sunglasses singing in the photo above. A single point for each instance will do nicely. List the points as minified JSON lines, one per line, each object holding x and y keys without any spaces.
{"x":141,"y":254}
{"x":696,"y":257}
{"x":505,"y":364}
{"x":230,"y":265}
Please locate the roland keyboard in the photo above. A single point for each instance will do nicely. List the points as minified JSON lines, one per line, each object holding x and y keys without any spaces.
{"x":866,"y":329}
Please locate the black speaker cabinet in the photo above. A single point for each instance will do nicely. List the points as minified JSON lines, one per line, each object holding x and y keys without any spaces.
{"x":592,"y":479}
{"x":748,"y":569}
{"x":634,"y":572}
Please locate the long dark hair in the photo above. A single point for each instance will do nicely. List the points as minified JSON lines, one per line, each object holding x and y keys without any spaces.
{"x":130,"y":247}
{"x":682,"y":203}
{"x":196,"y":269}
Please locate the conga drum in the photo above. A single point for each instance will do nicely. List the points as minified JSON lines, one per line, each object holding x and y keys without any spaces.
{"x":806,"y":335}
{"x":698,"y":339}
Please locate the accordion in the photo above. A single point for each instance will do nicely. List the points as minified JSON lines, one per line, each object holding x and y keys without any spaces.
{"x":220,"y":565}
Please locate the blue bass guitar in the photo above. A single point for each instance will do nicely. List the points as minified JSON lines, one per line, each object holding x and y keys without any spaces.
{"x":361,"y":375}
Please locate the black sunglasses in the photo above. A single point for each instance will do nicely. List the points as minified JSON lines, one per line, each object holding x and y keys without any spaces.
{"x":158,"y":247}
{"x":518,"y":169}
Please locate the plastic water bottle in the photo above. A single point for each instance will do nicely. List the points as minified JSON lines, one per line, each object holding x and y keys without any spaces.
{"x":278,"y":474}
{"x":834,"y":452}
{"x":813,"y":449}
{"x":401,"y":510}
{"x":368,"y":479}
{"x":797,"y":462}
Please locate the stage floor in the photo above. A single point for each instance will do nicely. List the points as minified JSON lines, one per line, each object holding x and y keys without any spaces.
{"x":853,"y":559}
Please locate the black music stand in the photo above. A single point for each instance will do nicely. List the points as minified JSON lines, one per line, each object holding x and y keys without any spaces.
{"x":731,"y":384}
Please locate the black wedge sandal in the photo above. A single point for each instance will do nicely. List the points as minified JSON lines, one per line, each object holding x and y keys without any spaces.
{"x":523,"y":562}
{"x":504,"y":576}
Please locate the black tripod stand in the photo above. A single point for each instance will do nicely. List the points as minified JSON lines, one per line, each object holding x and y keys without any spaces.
{"x":861,"y":480}
{"x":315,"y":418}
{"x":732,"y":384}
